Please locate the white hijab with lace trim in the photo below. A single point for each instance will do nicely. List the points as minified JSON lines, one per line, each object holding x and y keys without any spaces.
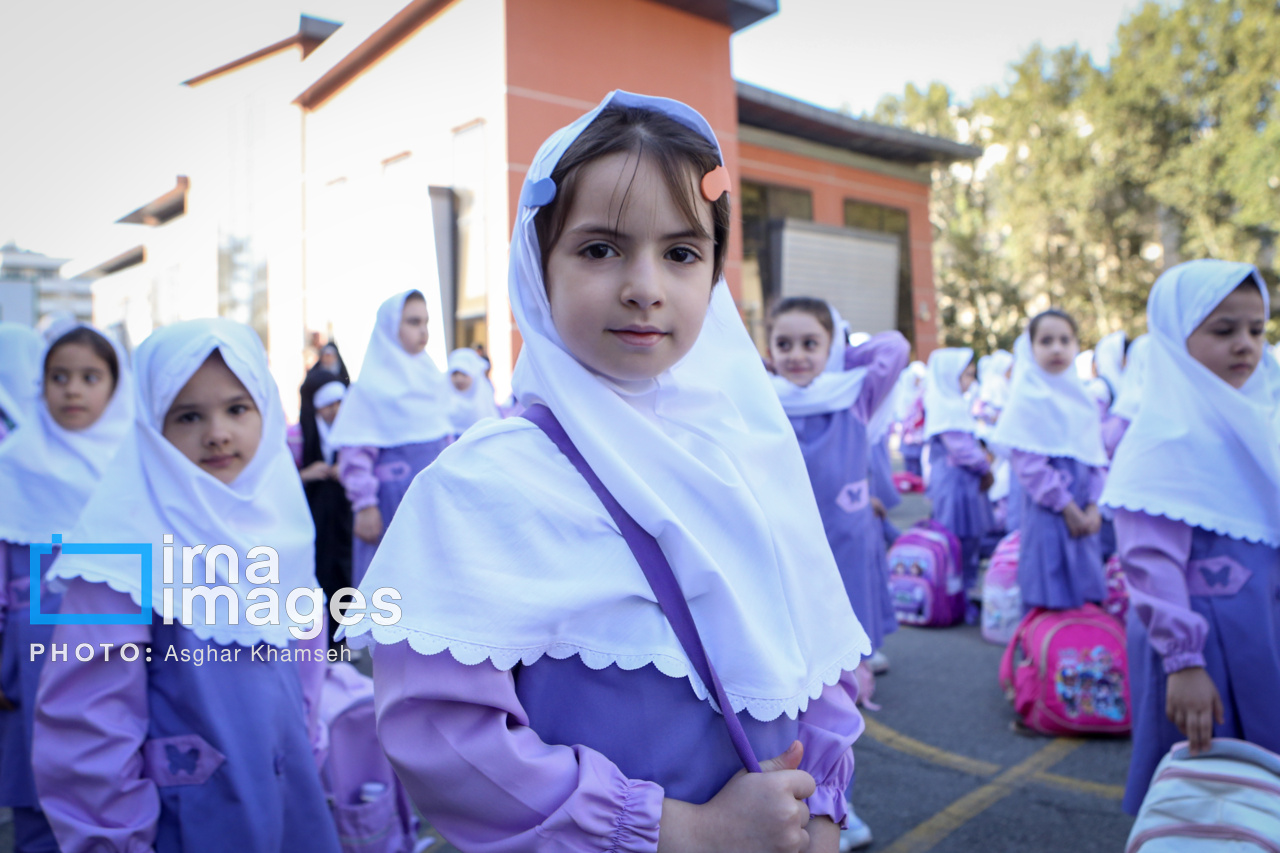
{"x":702,"y":456}
{"x":946,"y":407}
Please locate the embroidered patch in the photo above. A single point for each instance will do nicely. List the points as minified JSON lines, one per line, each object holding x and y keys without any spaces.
{"x":854,"y":496}
{"x":392,"y":471}
{"x":1216,"y":576}
{"x":180,"y":760}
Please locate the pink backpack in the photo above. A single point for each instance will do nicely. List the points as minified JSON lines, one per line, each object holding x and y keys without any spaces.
{"x":1001,"y":595}
{"x":1072,"y":672}
{"x":1117,"y":603}
{"x":924,"y":576}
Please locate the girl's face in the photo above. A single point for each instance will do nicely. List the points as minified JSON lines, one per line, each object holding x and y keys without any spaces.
{"x":1054,"y":346}
{"x":329,"y":412}
{"x":799,"y":346}
{"x":77,"y":386}
{"x":329,"y":358}
{"x":413,"y":326}
{"x":1230,"y":341}
{"x":214,"y":421}
{"x":461,"y":381}
{"x":629,"y":280}
{"x":969,"y":375}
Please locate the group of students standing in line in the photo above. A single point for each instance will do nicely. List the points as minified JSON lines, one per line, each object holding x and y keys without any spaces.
{"x":540,"y":688}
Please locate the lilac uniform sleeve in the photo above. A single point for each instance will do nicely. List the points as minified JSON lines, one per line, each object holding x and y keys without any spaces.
{"x":885,"y":356}
{"x":355,"y":472}
{"x":294,"y":438}
{"x":828,"y":729}
{"x":4,"y":584}
{"x":90,"y":724}
{"x":965,"y":451}
{"x":1113,"y":429}
{"x":1154,"y":551}
{"x":1042,"y":482}
{"x":461,"y":744}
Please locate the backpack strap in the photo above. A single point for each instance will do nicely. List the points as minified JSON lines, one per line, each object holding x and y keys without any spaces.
{"x":657,"y":570}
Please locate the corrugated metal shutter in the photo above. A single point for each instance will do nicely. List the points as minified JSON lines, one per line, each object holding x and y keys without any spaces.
{"x":856,"y":271}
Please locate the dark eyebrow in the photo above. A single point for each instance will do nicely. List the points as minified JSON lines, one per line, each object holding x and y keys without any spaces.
{"x":592,"y":228}
{"x":239,"y":398}
{"x":687,"y":234}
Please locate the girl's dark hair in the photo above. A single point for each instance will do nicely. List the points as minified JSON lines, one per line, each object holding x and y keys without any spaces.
{"x":413,"y":294}
{"x":683,"y":156}
{"x":1052,"y":312}
{"x":817,"y":308}
{"x":101,"y":348}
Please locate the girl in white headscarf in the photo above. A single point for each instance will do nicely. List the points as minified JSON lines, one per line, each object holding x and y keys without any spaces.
{"x":1128,"y":395}
{"x":202,"y":741}
{"x":393,"y":422}
{"x":1195,"y":485}
{"x":20,"y":348}
{"x":1052,"y":428}
{"x":959,"y":469}
{"x":48,"y":469}
{"x":472,"y":392}
{"x":910,"y":417}
{"x":515,"y":695}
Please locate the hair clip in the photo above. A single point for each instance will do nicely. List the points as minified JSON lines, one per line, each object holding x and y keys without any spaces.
{"x":716,"y":183}
{"x":538,"y":193}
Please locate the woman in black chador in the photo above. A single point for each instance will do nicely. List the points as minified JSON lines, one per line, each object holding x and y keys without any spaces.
{"x":330,"y":508}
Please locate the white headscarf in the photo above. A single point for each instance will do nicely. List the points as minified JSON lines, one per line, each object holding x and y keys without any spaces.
{"x":1109,"y":361}
{"x":993,"y":379}
{"x":946,"y":408}
{"x":702,"y":457}
{"x":1129,"y":396}
{"x":326,"y":395}
{"x":476,"y":403}
{"x":399,"y":398}
{"x":151,"y":489}
{"x":47,"y":472}
{"x":833,"y":390}
{"x":20,"y":349}
{"x":910,"y":390}
{"x":1047,"y":414}
{"x":1084,"y":365}
{"x":1208,"y":454}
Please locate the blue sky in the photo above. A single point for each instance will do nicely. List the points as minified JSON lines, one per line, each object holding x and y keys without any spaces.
{"x":94,"y":127}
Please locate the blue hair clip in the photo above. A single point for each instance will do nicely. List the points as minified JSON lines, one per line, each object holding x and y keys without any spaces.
{"x":538,"y":193}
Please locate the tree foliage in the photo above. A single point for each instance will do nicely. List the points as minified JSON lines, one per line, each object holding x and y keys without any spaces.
{"x":1096,"y":179}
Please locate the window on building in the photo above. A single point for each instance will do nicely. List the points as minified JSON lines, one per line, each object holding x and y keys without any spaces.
{"x":889,"y":220}
{"x":761,"y":205}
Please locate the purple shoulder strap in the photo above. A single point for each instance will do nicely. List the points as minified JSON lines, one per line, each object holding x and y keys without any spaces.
{"x":660,"y":576}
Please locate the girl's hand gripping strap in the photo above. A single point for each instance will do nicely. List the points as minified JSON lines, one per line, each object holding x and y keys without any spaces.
{"x":660,"y":576}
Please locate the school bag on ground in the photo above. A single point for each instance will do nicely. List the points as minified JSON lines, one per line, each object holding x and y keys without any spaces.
{"x":1067,"y":672}
{"x":924,"y":576}
{"x":1001,"y":595}
{"x":369,"y":805}
{"x":1225,"y":799}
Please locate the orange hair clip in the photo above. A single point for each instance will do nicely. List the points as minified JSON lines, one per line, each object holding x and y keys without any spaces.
{"x":716,"y":183}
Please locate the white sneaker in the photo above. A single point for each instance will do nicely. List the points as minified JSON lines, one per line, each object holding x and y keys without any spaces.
{"x":857,"y":836}
{"x":878,"y":662}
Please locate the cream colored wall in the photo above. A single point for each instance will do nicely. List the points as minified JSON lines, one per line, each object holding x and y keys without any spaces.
{"x":368,"y":222}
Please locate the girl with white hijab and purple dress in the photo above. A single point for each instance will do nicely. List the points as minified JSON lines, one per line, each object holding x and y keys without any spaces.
{"x":1053,"y":431}
{"x":1195,"y":486}
{"x":394,"y":422}
{"x":472,"y":399}
{"x":20,"y":349}
{"x":534,"y":694}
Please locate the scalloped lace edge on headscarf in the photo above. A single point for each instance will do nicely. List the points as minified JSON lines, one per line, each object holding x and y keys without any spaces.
{"x":365,"y":635}
{"x":1148,"y":507}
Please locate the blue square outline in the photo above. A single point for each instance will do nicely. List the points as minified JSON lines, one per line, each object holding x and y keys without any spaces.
{"x":145,"y":554}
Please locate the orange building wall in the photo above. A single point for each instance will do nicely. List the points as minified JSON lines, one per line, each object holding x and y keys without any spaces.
{"x":831,"y":184}
{"x":563,"y":56}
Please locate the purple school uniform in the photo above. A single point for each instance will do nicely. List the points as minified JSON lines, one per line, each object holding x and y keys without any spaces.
{"x":1055,"y":569}
{"x":19,"y":677}
{"x":957,"y":466}
{"x":1234,"y":587}
{"x":394,"y":468}
{"x":213,"y":757}
{"x":836,"y":453}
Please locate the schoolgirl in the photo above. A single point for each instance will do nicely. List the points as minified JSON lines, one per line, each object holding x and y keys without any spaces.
{"x":472,"y":398}
{"x":1109,"y":364}
{"x":1053,"y":431}
{"x":909,"y":417}
{"x":534,"y":695}
{"x":959,"y":470}
{"x":1196,"y":490}
{"x":993,"y":392}
{"x":830,"y":394}
{"x":154,"y":751}
{"x":20,"y":349}
{"x":1128,"y":397}
{"x":394,"y":421}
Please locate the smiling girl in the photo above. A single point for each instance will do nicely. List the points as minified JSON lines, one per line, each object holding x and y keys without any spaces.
{"x":1053,"y":429}
{"x":1196,"y":490}
{"x":534,"y":695}
{"x":48,"y":469}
